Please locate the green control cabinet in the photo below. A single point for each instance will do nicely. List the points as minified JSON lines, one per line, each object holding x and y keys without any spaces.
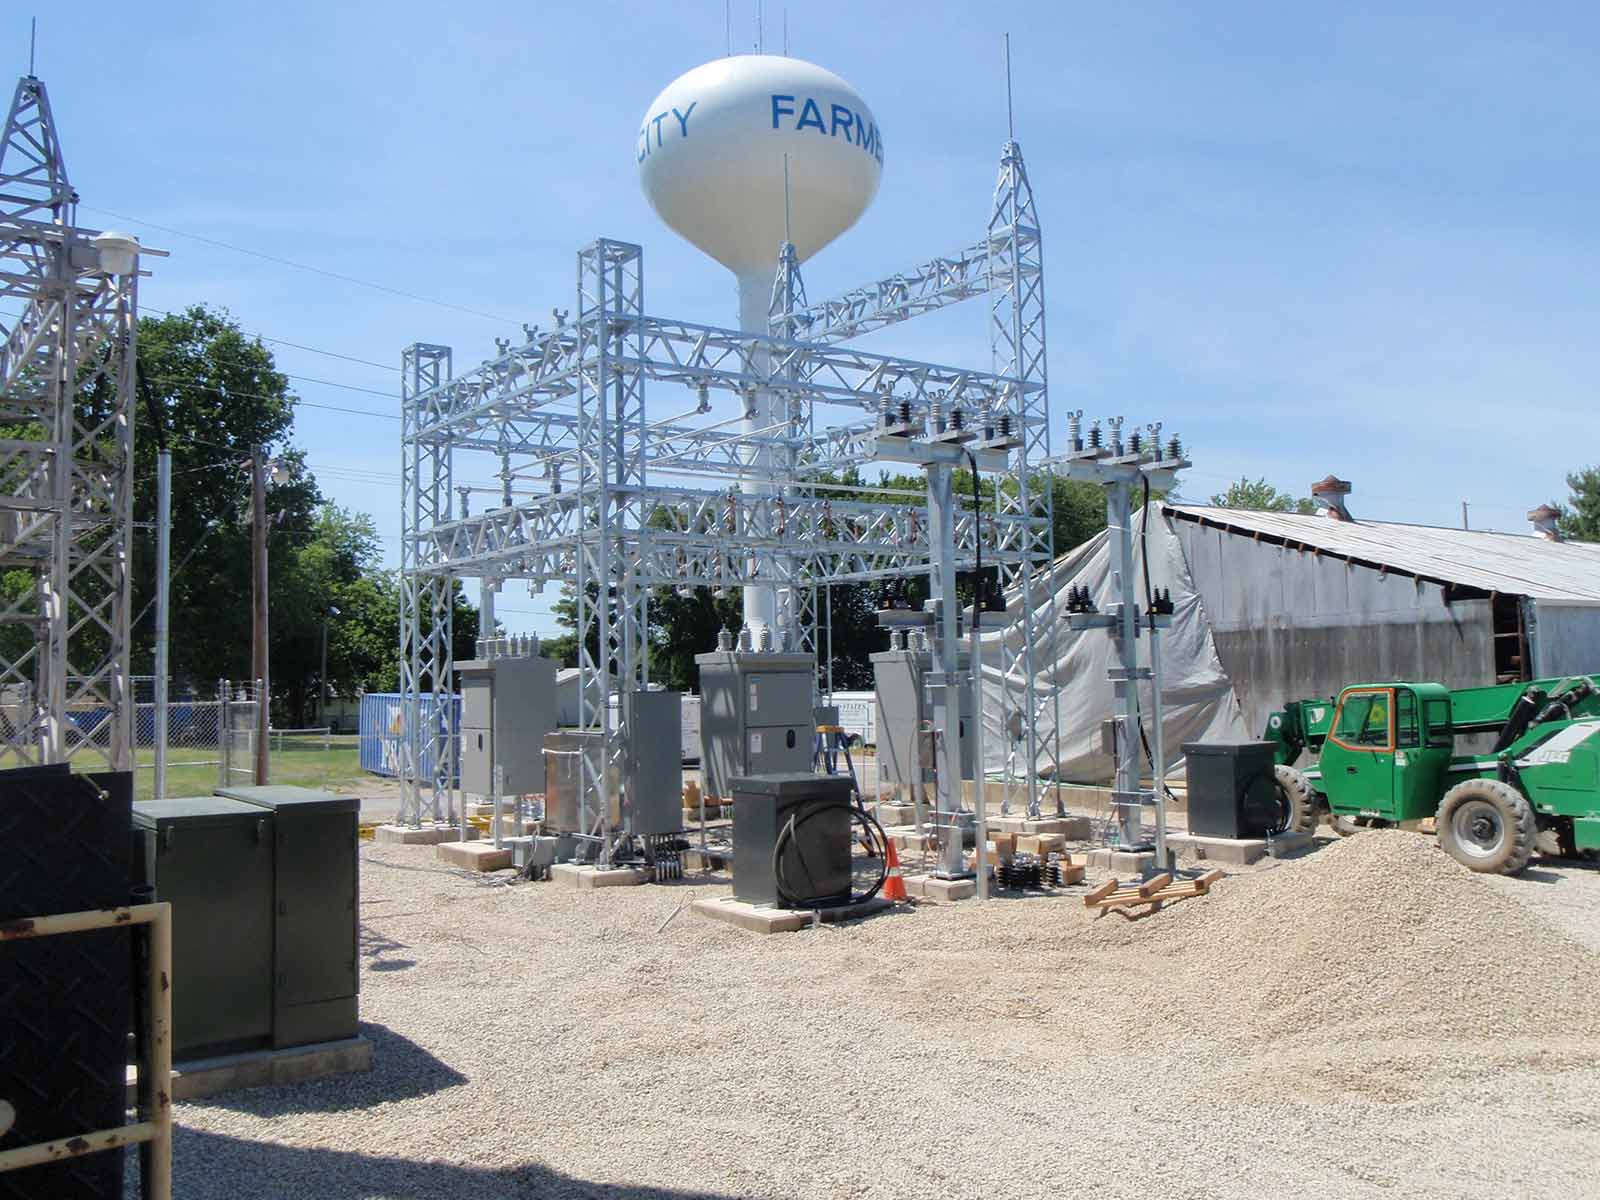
{"x":314,"y":948}
{"x":212,"y":859}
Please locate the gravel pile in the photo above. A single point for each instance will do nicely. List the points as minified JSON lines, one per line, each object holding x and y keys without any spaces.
{"x":1295,"y":1034}
{"x":1381,"y":933}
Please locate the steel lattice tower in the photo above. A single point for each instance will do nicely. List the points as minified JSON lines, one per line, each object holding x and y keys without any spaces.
{"x":66,"y":509}
{"x":599,"y":499}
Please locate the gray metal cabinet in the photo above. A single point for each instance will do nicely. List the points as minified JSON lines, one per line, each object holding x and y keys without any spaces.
{"x":755,"y":715}
{"x":315,"y":886}
{"x":905,"y":745}
{"x":212,"y":859}
{"x":508,"y":704}
{"x":655,"y":762}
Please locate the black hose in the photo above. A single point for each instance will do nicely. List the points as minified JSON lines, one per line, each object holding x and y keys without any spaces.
{"x":877,"y":841}
{"x":1144,"y":552}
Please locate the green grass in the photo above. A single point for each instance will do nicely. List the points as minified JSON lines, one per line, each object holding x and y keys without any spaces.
{"x":301,"y":761}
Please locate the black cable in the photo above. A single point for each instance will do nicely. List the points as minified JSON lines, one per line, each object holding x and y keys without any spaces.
{"x":977,"y":541}
{"x":1144,"y":553}
{"x":877,"y":840}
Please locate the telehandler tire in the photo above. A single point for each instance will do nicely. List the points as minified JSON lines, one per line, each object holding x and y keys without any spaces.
{"x":1487,"y":826}
{"x":1295,"y":788}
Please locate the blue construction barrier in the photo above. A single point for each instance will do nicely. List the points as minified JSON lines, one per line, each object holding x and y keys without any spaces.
{"x":383,"y":732}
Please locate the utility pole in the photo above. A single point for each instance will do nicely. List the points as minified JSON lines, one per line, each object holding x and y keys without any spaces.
{"x":259,"y":667}
{"x":163,"y":589}
{"x":322,"y":673}
{"x":1464,"y":524}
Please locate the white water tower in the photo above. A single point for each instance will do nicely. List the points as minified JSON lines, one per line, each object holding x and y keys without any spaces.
{"x":712,"y":149}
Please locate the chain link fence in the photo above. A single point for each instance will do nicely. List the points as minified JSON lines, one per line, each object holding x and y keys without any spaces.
{"x":211,"y":744}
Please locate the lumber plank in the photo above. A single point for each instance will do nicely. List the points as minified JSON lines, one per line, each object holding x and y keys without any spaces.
{"x":1155,"y":883}
{"x":1105,"y":889}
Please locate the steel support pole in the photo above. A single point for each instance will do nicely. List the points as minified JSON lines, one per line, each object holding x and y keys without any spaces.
{"x":258,"y":592}
{"x":1126,"y":796}
{"x":980,"y":801}
{"x":163,"y":591}
{"x":946,"y":681}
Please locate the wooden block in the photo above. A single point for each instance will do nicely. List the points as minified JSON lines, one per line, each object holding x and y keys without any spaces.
{"x":1069,"y":874}
{"x":1155,"y":883}
{"x":1101,"y":892}
{"x":1042,"y":844}
{"x":1204,"y":883}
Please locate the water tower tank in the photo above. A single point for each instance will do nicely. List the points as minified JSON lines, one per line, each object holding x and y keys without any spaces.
{"x":711,"y":151}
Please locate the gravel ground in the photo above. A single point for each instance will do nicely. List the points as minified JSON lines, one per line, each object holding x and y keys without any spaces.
{"x":1367,"y":1020}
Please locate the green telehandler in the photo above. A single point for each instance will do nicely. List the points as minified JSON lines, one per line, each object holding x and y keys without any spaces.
{"x":1386,"y":755}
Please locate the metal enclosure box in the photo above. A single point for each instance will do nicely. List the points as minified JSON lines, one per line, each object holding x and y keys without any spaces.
{"x":314,"y":898}
{"x":816,"y":858}
{"x":905,"y":716}
{"x":1232,"y":789}
{"x":508,"y":704}
{"x":563,"y":781}
{"x":211,"y":858}
{"x":654,"y":762}
{"x":755,"y":715}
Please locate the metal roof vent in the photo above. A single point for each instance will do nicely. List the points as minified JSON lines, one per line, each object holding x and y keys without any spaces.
{"x":1544,"y":520}
{"x":1329,"y":494}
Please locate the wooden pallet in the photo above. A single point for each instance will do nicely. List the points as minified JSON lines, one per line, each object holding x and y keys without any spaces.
{"x":1150,"y":895}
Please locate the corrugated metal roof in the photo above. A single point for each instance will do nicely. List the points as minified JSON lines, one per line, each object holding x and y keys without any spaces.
{"x":1514,"y":564}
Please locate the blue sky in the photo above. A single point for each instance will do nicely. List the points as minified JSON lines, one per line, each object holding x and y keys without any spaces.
{"x":1357,"y":238}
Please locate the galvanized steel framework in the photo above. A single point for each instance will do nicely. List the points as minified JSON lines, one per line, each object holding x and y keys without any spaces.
{"x":611,"y":504}
{"x":66,"y":501}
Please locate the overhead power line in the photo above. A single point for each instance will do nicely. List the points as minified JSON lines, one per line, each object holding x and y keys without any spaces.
{"x":300,"y":266}
{"x":277,"y":341}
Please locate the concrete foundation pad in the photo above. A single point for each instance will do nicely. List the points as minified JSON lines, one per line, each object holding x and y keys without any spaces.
{"x":201,"y":1077}
{"x":1236,"y":851}
{"x":586,"y":877}
{"x":474,"y":856}
{"x":930,"y":887}
{"x":905,"y":842}
{"x":1290,"y":844}
{"x":897,"y":814}
{"x":406,"y":835}
{"x":1072,"y":829}
{"x":763,"y":919}
{"x":1123,"y":862}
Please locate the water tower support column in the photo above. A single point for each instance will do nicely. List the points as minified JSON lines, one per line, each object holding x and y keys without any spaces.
{"x":761,"y":413}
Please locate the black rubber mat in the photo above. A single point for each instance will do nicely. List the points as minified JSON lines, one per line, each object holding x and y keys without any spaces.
{"x":64,"y":1000}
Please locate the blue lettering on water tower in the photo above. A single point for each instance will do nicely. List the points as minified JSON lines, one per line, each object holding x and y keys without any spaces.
{"x":842,"y":121}
{"x":653,"y":124}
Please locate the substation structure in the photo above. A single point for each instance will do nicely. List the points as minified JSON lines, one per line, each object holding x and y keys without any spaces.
{"x":585,"y":490}
{"x":66,"y":500}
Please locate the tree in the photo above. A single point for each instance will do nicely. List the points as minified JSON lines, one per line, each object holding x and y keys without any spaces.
{"x":1260,"y":495}
{"x":214,"y":395}
{"x":1580,"y":515}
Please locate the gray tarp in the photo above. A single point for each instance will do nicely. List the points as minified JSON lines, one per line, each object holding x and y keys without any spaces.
{"x":1200,"y":700}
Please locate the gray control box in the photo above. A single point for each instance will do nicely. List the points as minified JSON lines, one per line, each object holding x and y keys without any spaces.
{"x":755,"y":716}
{"x":508,"y":704}
{"x":654,"y":762}
{"x":905,"y":715}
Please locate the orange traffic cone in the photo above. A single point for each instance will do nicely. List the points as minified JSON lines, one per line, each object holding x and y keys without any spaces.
{"x":894,"y":887}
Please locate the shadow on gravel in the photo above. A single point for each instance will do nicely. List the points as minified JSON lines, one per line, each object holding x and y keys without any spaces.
{"x":207,"y":1165}
{"x":375,"y":946}
{"x":213,"y":1165}
{"x":401,"y":1070}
